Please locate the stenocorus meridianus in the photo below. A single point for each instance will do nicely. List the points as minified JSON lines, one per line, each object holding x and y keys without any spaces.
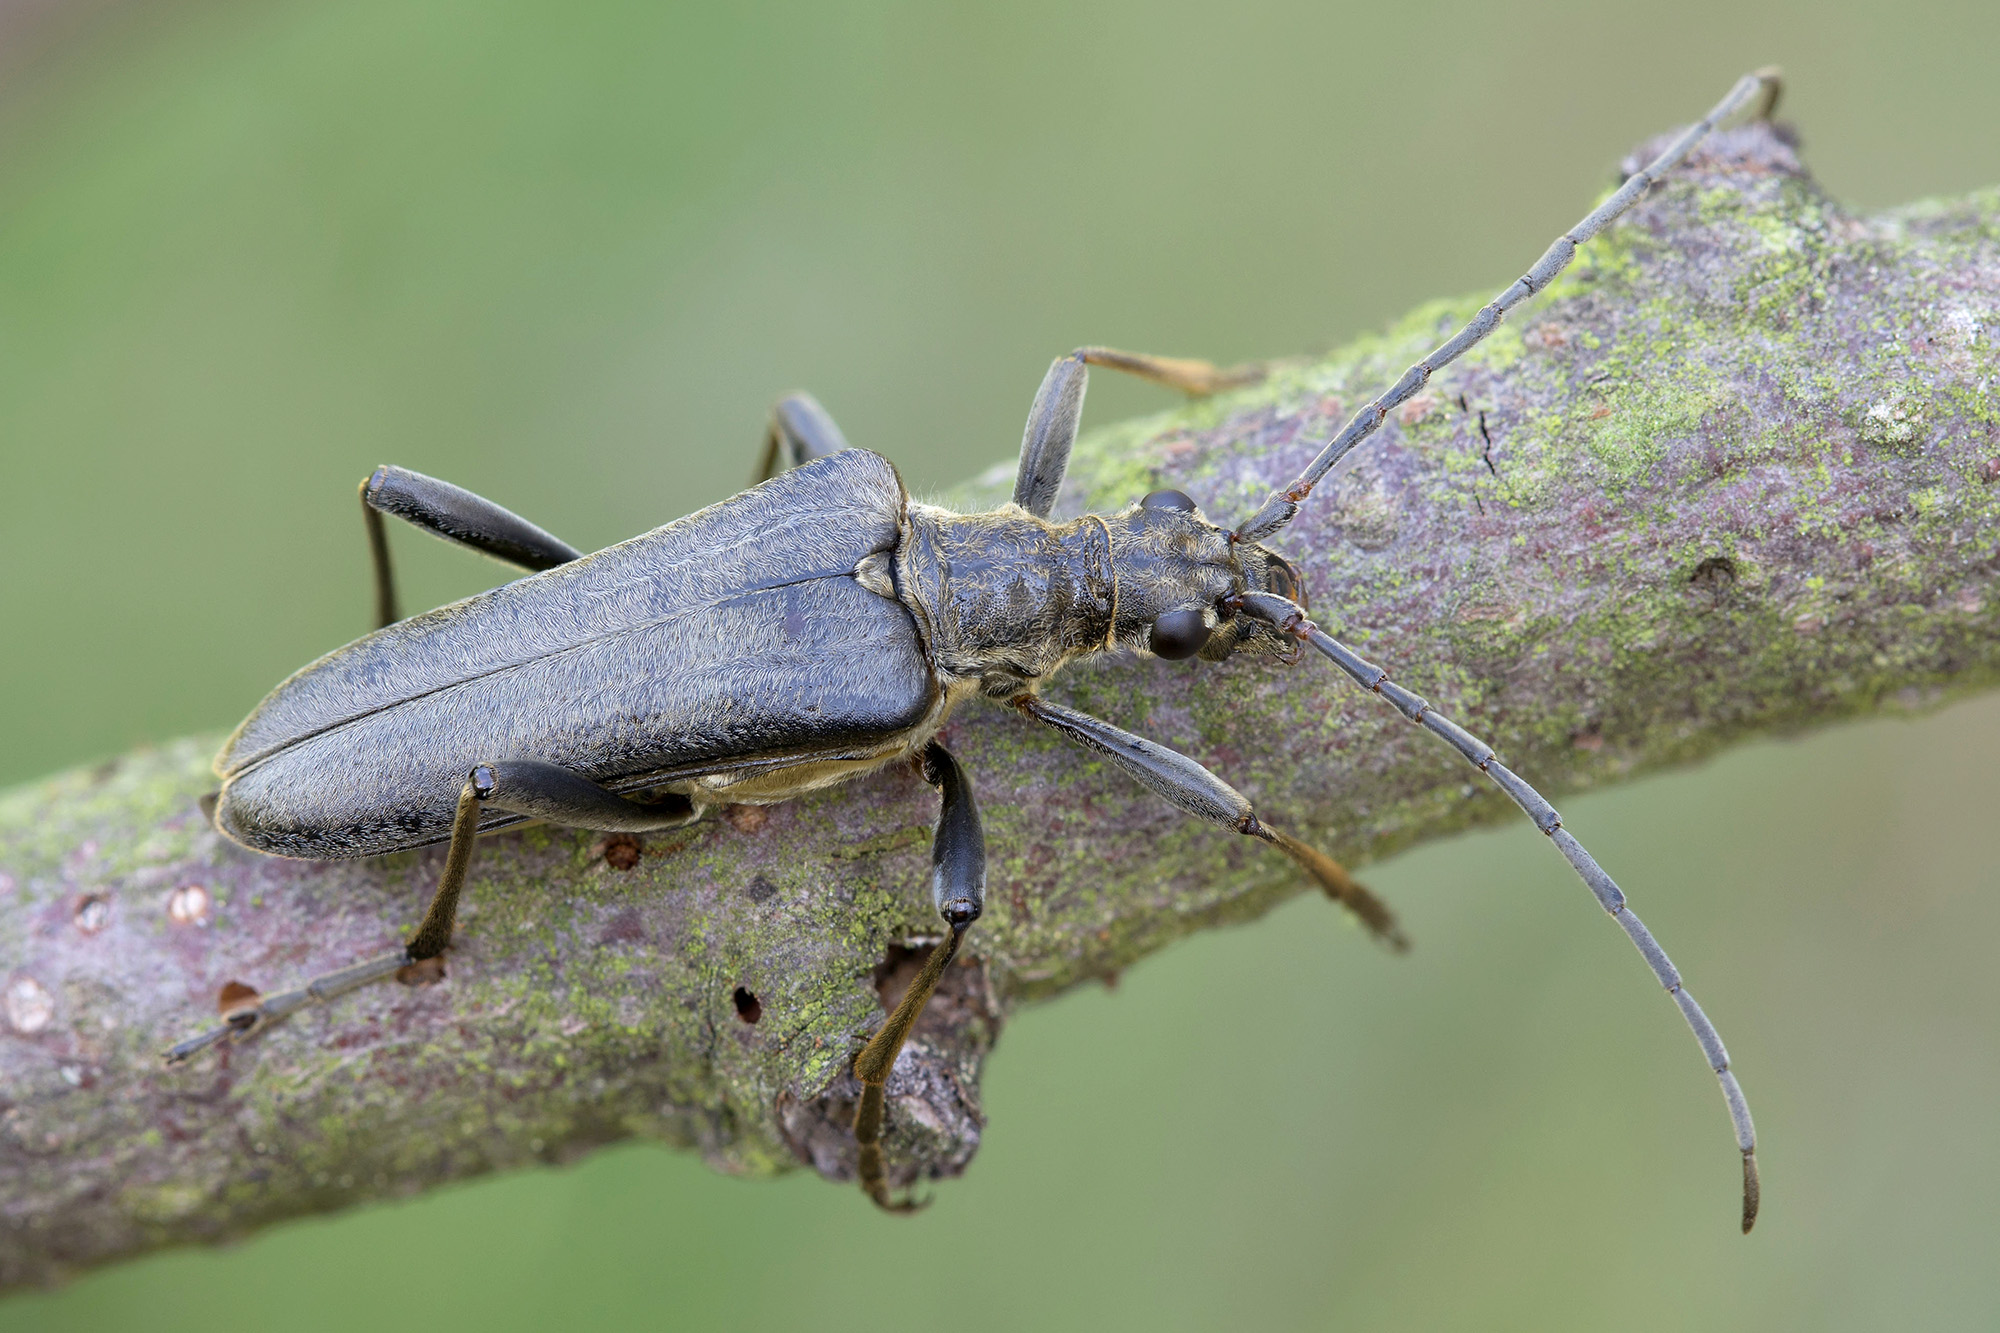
{"x":817,"y":626}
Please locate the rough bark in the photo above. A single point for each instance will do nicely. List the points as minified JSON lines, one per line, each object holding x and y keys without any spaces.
{"x":1735,"y":474}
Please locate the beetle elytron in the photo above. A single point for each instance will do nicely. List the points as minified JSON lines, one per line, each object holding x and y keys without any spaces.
{"x":815,"y":627}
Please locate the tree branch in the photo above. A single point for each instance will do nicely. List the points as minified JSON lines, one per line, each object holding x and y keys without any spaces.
{"x":1734,"y":474}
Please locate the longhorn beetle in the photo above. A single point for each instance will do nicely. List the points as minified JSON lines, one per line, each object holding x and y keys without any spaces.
{"x":815,"y":627}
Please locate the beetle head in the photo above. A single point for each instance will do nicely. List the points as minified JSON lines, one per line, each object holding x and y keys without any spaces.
{"x":1176,"y":573}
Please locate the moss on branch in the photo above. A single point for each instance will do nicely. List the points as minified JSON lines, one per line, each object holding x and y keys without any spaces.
{"x":1734,"y":474}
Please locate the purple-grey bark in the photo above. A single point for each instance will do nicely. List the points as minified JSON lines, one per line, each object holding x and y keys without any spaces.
{"x":1735,"y":473}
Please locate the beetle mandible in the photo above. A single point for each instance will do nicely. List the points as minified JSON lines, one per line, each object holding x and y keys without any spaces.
{"x":815,"y":627}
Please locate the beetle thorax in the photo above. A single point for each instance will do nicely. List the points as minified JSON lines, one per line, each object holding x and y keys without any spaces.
{"x":1004,"y":599}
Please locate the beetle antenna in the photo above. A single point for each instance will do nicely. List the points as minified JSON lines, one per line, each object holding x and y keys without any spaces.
{"x":1283,"y":505}
{"x":1291,"y":620}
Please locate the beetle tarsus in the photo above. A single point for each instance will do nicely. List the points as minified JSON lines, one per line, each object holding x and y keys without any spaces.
{"x":872,"y":1068}
{"x":1340,"y":887}
{"x":246,"y":1022}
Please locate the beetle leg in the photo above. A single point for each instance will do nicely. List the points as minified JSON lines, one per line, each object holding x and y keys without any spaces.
{"x":1052,"y":421}
{"x":542,"y":791}
{"x":800,"y":431}
{"x":520,"y":786}
{"x":455,"y":514}
{"x":1195,"y":378}
{"x":1188,"y":786}
{"x":958,"y":887}
{"x":268,"y":1009}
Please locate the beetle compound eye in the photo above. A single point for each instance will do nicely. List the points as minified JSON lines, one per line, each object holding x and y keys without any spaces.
{"x":1180,"y":500}
{"x":1179,"y":634}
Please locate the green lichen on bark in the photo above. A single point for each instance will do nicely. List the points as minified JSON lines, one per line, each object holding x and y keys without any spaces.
{"x":1735,"y":473}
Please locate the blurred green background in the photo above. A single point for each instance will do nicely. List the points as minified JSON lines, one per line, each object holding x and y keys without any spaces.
{"x":567,"y":254}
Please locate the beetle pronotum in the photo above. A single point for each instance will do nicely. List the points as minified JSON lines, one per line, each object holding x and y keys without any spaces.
{"x":815,"y":627}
